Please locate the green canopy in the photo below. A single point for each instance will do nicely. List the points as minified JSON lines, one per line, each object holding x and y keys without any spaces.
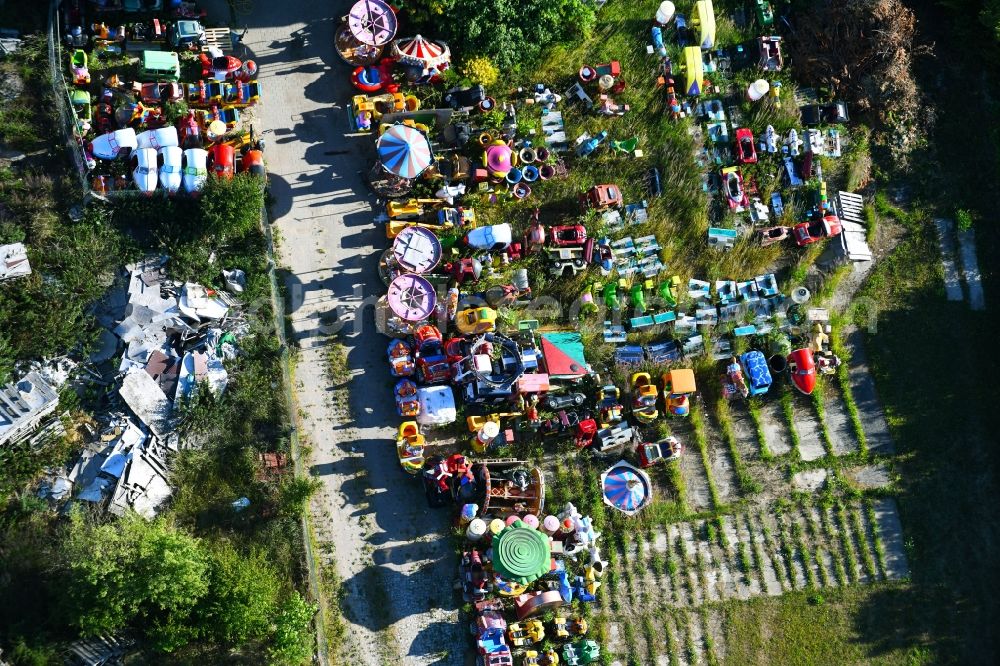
{"x":521,"y":554}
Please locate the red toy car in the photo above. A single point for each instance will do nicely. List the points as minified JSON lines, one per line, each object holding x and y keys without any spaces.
{"x":806,"y":233}
{"x":651,"y":453}
{"x":222,"y":160}
{"x":432,"y":363}
{"x":601,"y":197}
{"x":569,"y":234}
{"x":802,"y":367}
{"x":732,"y":183}
{"x":746,"y":152}
{"x":160,"y":93}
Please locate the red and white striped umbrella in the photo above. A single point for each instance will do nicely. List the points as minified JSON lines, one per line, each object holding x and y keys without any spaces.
{"x":421,"y":52}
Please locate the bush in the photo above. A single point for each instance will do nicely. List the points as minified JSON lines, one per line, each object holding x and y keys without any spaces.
{"x":481,"y":70}
{"x":510,"y":33}
{"x":292,"y":638}
{"x":963,"y":219}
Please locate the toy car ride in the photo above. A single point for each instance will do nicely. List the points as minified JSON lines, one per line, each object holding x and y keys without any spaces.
{"x":664,"y":450}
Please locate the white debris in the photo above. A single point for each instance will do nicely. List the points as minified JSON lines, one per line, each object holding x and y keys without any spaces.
{"x":146,"y":400}
{"x":236,"y":280}
{"x":13,"y":261}
{"x":23,"y":406}
{"x":197,"y":302}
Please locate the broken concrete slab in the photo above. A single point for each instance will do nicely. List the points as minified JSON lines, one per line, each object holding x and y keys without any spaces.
{"x":147,"y":401}
{"x":970,"y":268}
{"x":811,"y":480}
{"x":869,"y":476}
{"x":946,"y":242}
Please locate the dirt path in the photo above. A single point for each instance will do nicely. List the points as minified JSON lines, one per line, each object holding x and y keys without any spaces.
{"x":396,"y":569}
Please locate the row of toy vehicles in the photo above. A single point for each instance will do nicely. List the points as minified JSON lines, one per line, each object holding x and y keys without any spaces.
{"x":157,"y":160}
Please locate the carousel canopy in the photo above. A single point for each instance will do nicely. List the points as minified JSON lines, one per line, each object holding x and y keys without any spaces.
{"x":626,"y":488}
{"x":372,"y":22}
{"x":521,"y":554}
{"x":411,"y":297}
{"x":404,"y":151}
{"x":421,"y":52}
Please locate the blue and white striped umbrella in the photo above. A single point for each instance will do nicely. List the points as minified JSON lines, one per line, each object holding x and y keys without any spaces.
{"x":625,"y":487}
{"x":404,"y":151}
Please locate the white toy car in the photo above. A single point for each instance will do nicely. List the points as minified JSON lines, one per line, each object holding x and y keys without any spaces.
{"x":170,"y":168}
{"x":492,"y":238}
{"x":143,"y":162}
{"x":109,"y":146}
{"x":158,"y":138}
{"x":195,"y":170}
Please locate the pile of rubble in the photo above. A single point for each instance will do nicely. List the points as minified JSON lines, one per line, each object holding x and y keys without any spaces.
{"x":175,"y":337}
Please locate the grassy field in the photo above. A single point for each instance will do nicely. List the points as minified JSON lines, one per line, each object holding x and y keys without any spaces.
{"x":926,"y":357}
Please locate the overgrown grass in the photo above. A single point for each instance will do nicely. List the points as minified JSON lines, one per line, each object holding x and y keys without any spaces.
{"x":820,"y":407}
{"x":788,"y":409}
{"x":748,"y":484}
{"x":701,"y":443}
{"x":753,"y":408}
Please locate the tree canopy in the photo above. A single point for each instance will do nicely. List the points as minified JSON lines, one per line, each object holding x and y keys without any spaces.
{"x":511,"y":33}
{"x":175,"y":588}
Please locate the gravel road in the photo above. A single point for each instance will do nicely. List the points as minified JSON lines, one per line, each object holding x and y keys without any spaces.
{"x":396,"y":567}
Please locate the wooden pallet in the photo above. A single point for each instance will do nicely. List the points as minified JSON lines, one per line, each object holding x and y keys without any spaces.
{"x":220,"y":38}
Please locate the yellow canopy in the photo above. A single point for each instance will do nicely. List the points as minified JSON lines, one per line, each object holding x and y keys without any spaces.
{"x":706,"y":24}
{"x":694,"y":70}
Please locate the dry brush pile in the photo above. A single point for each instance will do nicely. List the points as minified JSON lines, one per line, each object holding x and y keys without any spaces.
{"x":863,"y":51}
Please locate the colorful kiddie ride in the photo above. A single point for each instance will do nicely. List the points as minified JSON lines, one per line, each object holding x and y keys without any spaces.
{"x":755,"y":369}
{"x":664,"y":450}
{"x":601,"y":197}
{"x":473,"y":321}
{"x":802,"y":369}
{"x":807,"y":233}
{"x":431,"y":360}
{"x":644,"y":398}
{"x":205,"y":94}
{"x":582,"y":652}
{"x":400,"y":358}
{"x":368,"y":109}
{"x":407,"y":403}
{"x":143,"y":164}
{"x":194,"y":168}
{"x":475,"y":578}
{"x":609,"y":405}
{"x":222,"y":160}
{"x":678,"y":385}
{"x":252,"y":156}
{"x":373,"y":78}
{"x":219,"y":67}
{"x":772,"y":235}
{"x":157,"y":93}
{"x":746,"y":151}
{"x":527,"y":633}
{"x":78,"y":70}
{"x":170,"y":158}
{"x":410,"y":447}
{"x":732,"y":185}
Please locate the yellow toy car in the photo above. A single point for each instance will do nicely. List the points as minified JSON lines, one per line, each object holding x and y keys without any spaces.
{"x":644,"y":397}
{"x":529,"y":633}
{"x":677,"y":386}
{"x":477,"y":320}
{"x":410,"y":447}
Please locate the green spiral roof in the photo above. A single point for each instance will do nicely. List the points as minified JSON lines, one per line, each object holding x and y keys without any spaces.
{"x":521,"y":554}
